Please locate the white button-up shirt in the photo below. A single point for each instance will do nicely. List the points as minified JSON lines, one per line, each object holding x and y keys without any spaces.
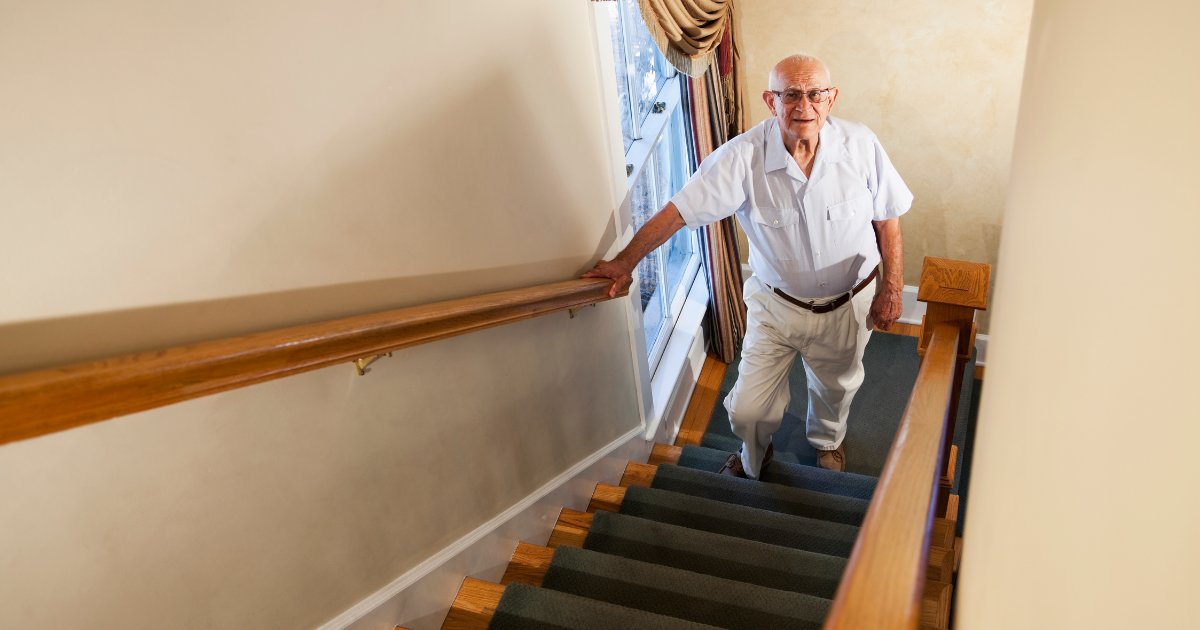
{"x":810,"y":236}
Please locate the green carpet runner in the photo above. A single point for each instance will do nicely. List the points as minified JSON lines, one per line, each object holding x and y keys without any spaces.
{"x":699,"y":550}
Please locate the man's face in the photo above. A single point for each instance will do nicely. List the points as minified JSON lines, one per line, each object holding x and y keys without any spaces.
{"x":803,"y":119}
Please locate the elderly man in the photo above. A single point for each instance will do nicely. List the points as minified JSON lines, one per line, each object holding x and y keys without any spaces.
{"x":820,"y":203}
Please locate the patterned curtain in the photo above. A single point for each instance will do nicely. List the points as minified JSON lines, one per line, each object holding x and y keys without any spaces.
{"x":717,"y":114}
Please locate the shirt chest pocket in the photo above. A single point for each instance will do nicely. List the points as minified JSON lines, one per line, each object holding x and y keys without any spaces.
{"x":851,"y":209}
{"x":777,"y":232}
{"x":776,"y":217}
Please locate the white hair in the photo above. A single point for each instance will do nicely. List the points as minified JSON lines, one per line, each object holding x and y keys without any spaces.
{"x":800,"y":57}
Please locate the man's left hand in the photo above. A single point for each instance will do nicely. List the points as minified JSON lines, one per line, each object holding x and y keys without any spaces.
{"x":886,"y":309}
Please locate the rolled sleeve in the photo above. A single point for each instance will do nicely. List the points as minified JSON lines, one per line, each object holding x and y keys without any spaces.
{"x":716,"y":190}
{"x":892,"y":196}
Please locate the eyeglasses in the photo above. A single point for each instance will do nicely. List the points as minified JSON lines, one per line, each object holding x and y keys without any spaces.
{"x":791,"y":97}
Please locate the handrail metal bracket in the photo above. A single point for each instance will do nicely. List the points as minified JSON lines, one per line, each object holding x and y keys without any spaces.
{"x":573,"y":311}
{"x":361,"y":364}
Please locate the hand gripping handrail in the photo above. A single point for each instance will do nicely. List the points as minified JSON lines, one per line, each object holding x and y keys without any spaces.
{"x":55,"y":399}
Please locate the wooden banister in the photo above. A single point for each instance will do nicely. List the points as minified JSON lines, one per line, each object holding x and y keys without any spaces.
{"x":56,"y":399}
{"x":884,"y":579}
{"x":882,"y":585}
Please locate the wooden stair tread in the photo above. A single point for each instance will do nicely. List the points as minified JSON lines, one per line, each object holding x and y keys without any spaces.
{"x":570,"y":529}
{"x":638,"y":475}
{"x":528,"y":565}
{"x":474,"y":606}
{"x":665,"y":454}
{"x":607,"y":498}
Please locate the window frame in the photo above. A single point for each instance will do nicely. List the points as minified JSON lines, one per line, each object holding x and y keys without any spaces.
{"x":646,"y":137}
{"x":640,"y":155}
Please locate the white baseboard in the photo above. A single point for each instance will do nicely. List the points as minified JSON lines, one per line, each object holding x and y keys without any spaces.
{"x":421,"y":597}
{"x":913,"y":312}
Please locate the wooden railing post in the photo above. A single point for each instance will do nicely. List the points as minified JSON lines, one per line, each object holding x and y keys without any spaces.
{"x":952,"y":290}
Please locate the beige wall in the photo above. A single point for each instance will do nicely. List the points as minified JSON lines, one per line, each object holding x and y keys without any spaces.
{"x":183,"y":171}
{"x":1085,"y":490}
{"x":937,"y":81}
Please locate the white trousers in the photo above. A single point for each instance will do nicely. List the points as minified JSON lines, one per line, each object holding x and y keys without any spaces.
{"x":831,"y":347}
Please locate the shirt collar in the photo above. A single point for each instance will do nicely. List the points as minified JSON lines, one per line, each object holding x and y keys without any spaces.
{"x":831,"y":148}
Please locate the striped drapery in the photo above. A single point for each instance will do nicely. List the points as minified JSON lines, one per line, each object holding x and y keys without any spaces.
{"x":687,"y":32}
{"x":717,"y":115}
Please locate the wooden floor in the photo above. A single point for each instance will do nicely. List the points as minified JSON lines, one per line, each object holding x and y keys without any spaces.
{"x":704,"y":399}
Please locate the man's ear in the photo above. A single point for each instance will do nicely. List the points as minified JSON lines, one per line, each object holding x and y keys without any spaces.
{"x":833,"y":98}
{"x":769,"y":99}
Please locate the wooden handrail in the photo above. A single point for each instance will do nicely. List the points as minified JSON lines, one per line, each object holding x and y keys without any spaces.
{"x":56,"y":399}
{"x":883,"y":581}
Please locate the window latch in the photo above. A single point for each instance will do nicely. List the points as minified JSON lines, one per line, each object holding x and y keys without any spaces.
{"x":628,"y":170}
{"x":659,"y":107}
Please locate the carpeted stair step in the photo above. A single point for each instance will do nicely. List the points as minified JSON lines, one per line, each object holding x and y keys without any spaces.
{"x":525,"y":607}
{"x":765,"y":496}
{"x":719,"y":442}
{"x":739,"y":521}
{"x":717,"y":555}
{"x":785,"y":474}
{"x":681,"y":594}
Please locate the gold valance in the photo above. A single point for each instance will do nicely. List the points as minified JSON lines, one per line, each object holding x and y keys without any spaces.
{"x":686,"y":31}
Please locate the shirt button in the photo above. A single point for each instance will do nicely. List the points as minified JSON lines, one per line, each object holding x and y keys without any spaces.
{"x":822,"y":284}
{"x":776,"y":221}
{"x":818,"y":253}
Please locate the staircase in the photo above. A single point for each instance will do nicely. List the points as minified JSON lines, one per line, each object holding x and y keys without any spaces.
{"x":677,"y":546}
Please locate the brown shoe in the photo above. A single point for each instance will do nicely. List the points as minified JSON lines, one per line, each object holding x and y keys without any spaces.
{"x":733,"y":464}
{"x":832,"y":460}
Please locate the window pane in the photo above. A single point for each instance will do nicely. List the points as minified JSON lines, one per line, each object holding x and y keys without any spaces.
{"x":671,"y":157}
{"x":649,"y":69}
{"x":622,"y":68}
{"x":642,"y":205}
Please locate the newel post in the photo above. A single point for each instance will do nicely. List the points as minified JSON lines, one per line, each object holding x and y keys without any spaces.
{"x":952,"y":290}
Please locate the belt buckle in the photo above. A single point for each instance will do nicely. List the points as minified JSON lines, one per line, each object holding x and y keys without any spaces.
{"x":822,"y":308}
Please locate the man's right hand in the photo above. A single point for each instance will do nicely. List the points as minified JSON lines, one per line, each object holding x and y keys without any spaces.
{"x":655,"y":232}
{"x":620,"y":273}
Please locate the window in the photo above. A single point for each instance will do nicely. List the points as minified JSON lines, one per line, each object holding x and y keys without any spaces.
{"x":655,"y":134}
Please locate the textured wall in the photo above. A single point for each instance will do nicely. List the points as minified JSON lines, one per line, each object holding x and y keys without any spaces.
{"x":188,"y":170}
{"x":938,"y":82}
{"x":1084,"y":510}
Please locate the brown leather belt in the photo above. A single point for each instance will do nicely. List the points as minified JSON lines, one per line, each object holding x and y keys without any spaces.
{"x":829,"y":306}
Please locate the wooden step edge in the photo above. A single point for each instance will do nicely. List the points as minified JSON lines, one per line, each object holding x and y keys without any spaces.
{"x":638,"y":475}
{"x":474,"y":605}
{"x":665,"y":454}
{"x":570,"y":529}
{"x":942,"y":534}
{"x":958,"y":546}
{"x":952,"y":508}
{"x":947,"y":479}
{"x":607,"y":498}
{"x":939,"y":566}
{"x":528,"y":565}
{"x":935,"y":605}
